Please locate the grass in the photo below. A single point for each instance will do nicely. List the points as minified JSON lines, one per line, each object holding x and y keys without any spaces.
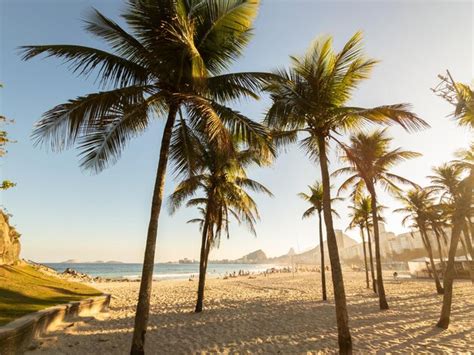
{"x":23,"y":290}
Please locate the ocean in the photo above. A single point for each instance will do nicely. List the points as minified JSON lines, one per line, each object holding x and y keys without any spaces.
{"x":161,"y":271}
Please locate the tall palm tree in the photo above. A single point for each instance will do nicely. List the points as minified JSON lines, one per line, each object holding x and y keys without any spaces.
{"x":418,"y":206}
{"x":369,"y":159}
{"x":357,"y":220}
{"x":461,"y":96}
{"x":447,"y":180}
{"x":173,"y":58}
{"x":455,"y":197}
{"x":363,"y":210}
{"x":221,"y":178}
{"x":315,"y":198}
{"x":465,"y":161}
{"x":312,"y":99}
{"x":437,"y":221}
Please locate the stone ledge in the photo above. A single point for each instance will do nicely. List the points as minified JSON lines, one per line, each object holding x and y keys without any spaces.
{"x":17,"y":335}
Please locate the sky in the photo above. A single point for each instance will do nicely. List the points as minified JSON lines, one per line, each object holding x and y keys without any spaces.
{"x":63,"y":212}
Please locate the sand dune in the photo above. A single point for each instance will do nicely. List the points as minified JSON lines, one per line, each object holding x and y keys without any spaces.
{"x":275,"y":314}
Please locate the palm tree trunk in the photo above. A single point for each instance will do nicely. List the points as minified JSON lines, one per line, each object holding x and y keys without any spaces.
{"x":464,"y":248}
{"x":449,"y":275}
{"x":323,"y":266}
{"x":144,"y":295}
{"x":465,"y":232}
{"x":203,"y":264}
{"x":440,"y":250}
{"x":372,"y":273}
{"x":365,"y":257}
{"x":342,"y":318}
{"x":426,"y":241}
{"x":380,"y":287}
{"x":469,"y":248}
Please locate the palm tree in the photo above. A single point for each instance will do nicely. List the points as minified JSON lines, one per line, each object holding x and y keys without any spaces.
{"x":4,"y":140}
{"x":460,"y":95}
{"x":315,"y":198}
{"x":174,"y":58}
{"x":312,"y":98}
{"x":465,"y":161}
{"x":437,"y":221}
{"x":222,"y":179}
{"x":363,"y":210}
{"x":447,"y":180}
{"x":418,"y":206}
{"x":362,"y":217}
{"x":455,"y":197}
{"x":357,"y":220}
{"x":369,"y":158}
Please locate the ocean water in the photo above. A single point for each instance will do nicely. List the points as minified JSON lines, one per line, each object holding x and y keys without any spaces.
{"x":161,"y":271}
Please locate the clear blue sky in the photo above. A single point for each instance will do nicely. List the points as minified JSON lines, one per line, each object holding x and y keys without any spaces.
{"x":65,"y":213}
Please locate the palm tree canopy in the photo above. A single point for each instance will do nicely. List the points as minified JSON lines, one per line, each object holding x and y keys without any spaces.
{"x":221,"y":182}
{"x":418,"y":207}
{"x":315,"y":199}
{"x":361,"y":212}
{"x":446,"y":180}
{"x":369,"y":159}
{"x":312,"y":95}
{"x":461,"y":96}
{"x":174,"y":54}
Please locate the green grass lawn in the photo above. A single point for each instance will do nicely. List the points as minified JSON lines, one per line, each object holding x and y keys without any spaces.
{"x":23,"y":289}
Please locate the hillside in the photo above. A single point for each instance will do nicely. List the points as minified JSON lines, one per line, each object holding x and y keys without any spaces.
{"x":23,"y":289}
{"x":255,"y":257}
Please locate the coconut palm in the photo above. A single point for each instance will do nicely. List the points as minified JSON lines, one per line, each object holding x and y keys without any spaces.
{"x":460,"y":95}
{"x":362,"y":217}
{"x":221,"y":179}
{"x":362,"y":209}
{"x":173,"y":58}
{"x":418,"y":206}
{"x":455,"y":196}
{"x":315,"y":198}
{"x":357,"y":220}
{"x":446,"y":180}
{"x":312,"y":99}
{"x":465,"y":161}
{"x":369,"y":159}
{"x":438,"y":222}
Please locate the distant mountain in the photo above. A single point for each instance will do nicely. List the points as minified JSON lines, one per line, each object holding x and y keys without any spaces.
{"x":256,"y":257}
{"x":70,"y":261}
{"x":75,"y":261}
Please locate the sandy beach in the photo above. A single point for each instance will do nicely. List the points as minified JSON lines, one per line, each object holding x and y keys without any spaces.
{"x":280,"y":313}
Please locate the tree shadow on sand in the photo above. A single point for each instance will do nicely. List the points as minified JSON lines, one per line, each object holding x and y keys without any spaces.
{"x":279,"y":325}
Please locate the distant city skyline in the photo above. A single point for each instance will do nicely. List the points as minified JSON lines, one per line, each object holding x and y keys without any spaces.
{"x":63,"y":213}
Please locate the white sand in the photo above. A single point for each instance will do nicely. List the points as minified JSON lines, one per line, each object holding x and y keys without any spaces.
{"x":276,"y":314}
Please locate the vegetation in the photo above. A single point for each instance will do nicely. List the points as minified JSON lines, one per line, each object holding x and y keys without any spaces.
{"x":23,"y":290}
{"x":369,"y":160}
{"x":361,"y":216}
{"x":315,"y":198}
{"x":173,"y":59}
{"x":311,"y":98}
{"x":220,"y":175}
{"x":459,"y":207}
{"x":172,"y":63}
{"x":419,"y":207}
{"x":4,"y":140}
